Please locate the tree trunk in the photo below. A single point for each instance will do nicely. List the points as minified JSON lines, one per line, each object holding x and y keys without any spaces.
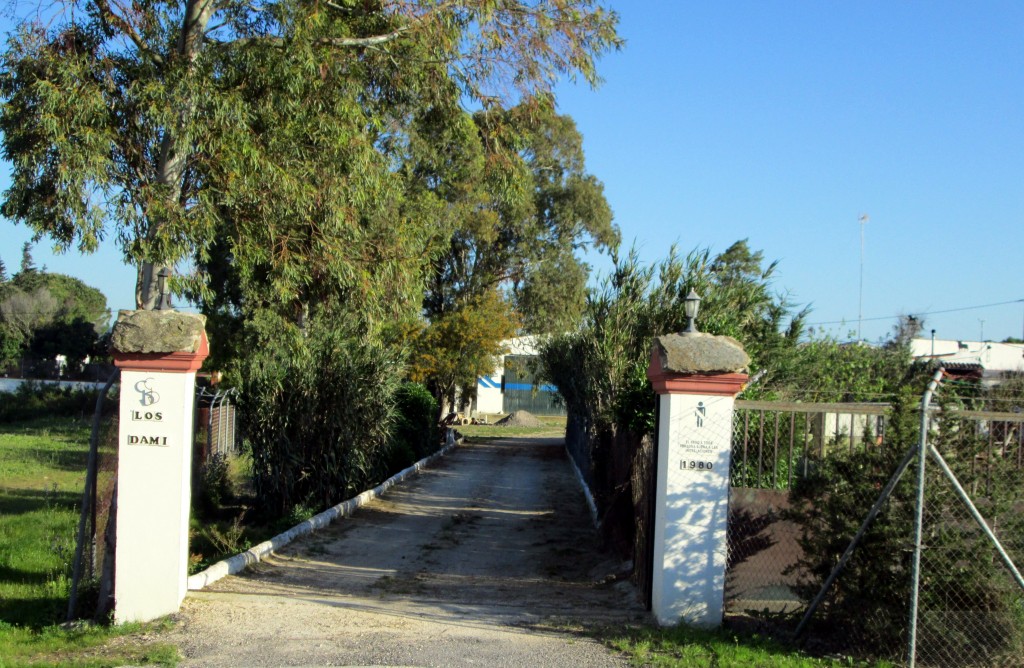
{"x":171,"y":168}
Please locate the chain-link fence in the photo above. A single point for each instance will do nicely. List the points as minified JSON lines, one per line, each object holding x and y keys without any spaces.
{"x":803,"y":487}
{"x":968,"y":607}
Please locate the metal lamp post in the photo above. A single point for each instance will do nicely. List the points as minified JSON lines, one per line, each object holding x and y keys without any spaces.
{"x":164,"y":302}
{"x":691,"y":305}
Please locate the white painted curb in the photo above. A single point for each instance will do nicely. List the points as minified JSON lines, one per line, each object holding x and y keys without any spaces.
{"x":239,"y":562}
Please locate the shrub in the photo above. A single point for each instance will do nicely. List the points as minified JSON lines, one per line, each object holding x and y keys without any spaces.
{"x":214,"y":483}
{"x":967,"y":603}
{"x":318,"y":413}
{"x":415,"y":420}
{"x":39,"y":400}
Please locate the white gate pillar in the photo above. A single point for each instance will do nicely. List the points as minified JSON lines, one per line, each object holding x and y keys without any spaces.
{"x":158,"y":353}
{"x":697,"y":377}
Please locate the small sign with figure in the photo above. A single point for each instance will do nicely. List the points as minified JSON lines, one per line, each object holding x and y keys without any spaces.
{"x":697,"y":377}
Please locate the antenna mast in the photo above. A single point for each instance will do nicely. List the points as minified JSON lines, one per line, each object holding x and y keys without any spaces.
{"x":860,"y":299}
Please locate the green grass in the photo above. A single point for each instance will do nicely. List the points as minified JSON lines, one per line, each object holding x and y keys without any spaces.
{"x":554,"y":427}
{"x":42,"y":473}
{"x":682,"y":646}
{"x":85,"y":646}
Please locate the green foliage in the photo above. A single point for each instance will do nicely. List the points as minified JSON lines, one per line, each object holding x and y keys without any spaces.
{"x":160,"y":124}
{"x":962,"y":580}
{"x":460,"y":345}
{"x":826,"y":370}
{"x":414,"y":434}
{"x":318,"y":407}
{"x":49,"y":314}
{"x":522,"y":203}
{"x":11,"y":344}
{"x":41,"y":400}
{"x":76,"y":340}
{"x":218,"y":540}
{"x":164,"y":126}
{"x":28,"y":266}
{"x":215,"y":486}
{"x":830,"y":504}
{"x":682,"y":646}
{"x":601,"y":368}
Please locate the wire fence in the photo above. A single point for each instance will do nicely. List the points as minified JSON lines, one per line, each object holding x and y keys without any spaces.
{"x":217,"y":423}
{"x":809,"y":478}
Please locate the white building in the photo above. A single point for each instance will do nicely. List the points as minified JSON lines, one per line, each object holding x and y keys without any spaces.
{"x":505,"y":390}
{"x":994,"y":358}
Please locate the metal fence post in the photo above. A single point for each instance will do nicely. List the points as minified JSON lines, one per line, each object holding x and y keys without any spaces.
{"x":915,"y":569}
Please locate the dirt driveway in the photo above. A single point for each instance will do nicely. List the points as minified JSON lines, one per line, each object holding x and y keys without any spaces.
{"x":486,"y":559}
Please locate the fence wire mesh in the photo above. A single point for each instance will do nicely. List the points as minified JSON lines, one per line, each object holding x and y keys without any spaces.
{"x":971,"y":609}
{"x":804,"y":477}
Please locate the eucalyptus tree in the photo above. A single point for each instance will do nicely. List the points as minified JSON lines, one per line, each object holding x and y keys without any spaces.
{"x":119,"y":118}
{"x":523,"y":209}
{"x":518,"y":204}
{"x":269,"y":146}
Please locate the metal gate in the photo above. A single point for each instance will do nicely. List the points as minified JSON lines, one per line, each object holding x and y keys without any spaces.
{"x":521,"y":392}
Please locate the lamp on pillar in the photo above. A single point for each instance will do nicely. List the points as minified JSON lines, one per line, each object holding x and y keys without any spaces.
{"x":691,"y":305}
{"x":164,"y":301}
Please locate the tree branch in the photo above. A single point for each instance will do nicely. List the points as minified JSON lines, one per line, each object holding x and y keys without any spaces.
{"x":340,"y":42}
{"x":112,"y":20}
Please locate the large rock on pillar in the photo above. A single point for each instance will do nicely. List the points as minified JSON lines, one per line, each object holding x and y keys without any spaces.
{"x":697,"y":377}
{"x":158,"y":353}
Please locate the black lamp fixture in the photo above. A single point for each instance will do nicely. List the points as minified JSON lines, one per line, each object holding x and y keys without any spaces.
{"x":164,"y":301}
{"x":691,"y":305}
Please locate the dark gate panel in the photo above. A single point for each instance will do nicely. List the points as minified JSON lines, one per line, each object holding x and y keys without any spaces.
{"x":521,"y":393}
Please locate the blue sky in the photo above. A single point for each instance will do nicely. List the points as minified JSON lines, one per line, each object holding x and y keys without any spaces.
{"x":783,"y":122}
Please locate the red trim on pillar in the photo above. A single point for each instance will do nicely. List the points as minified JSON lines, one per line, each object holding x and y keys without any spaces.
{"x":179,"y":362}
{"x":719,"y":384}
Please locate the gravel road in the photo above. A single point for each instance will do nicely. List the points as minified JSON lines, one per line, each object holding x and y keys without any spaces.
{"x":487,"y":559}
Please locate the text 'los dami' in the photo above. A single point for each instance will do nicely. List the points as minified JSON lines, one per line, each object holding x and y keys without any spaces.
{"x":160,"y":441}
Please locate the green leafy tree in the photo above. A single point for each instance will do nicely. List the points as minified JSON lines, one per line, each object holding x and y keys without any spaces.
{"x":50,"y":314}
{"x":552,"y":296}
{"x":273,"y":146}
{"x":76,"y":340}
{"x":518,"y":203}
{"x":35,"y":298}
{"x":28,"y":266}
{"x":456,"y":348}
{"x":523,"y":203}
{"x":26,"y":311}
{"x":115,"y":117}
{"x":11,"y":344}
{"x":3,"y":272}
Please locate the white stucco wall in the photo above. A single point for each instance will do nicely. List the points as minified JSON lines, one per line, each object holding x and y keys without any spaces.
{"x":488,"y":388}
{"x":995,"y":358}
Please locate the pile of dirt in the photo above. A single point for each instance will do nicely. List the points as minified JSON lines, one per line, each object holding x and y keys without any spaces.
{"x":520,"y":419}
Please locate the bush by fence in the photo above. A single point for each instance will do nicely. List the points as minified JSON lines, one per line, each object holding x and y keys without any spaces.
{"x":36,"y":400}
{"x":971,"y":611}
